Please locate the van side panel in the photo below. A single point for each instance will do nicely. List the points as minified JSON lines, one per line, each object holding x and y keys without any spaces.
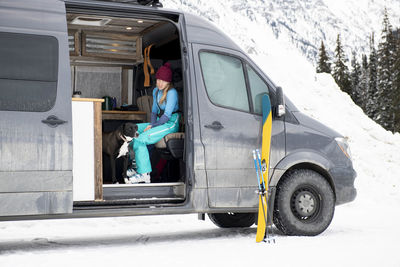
{"x":35,"y":157}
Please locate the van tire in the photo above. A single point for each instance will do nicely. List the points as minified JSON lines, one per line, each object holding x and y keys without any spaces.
{"x":304,"y":203}
{"x":230,"y":219}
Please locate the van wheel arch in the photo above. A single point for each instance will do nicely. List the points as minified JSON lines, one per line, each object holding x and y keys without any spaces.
{"x":309,"y":166}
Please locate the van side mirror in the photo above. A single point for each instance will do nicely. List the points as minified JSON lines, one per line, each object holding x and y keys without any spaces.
{"x":280,"y":107}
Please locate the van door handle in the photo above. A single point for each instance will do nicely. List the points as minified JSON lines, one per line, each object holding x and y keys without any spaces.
{"x":52,"y":121}
{"x":216,"y":125}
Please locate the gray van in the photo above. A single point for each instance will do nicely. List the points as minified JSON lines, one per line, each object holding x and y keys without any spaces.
{"x":50,"y":48}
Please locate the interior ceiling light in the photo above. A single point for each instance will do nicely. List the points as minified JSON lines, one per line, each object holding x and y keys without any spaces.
{"x":140,"y":21}
{"x":129,"y":28}
{"x":90,"y":21}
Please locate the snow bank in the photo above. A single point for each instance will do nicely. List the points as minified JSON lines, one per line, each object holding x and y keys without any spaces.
{"x":375,"y":151}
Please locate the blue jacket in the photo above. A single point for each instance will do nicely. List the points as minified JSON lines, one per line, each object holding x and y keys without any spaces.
{"x":169,"y":106}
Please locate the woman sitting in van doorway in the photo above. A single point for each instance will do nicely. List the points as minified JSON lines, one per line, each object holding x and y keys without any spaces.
{"x":164,"y":120}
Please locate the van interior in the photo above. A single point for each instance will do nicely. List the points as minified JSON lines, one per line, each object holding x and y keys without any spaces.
{"x":107,"y":58}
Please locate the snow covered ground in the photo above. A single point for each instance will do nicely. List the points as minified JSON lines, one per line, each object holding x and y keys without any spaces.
{"x":363,"y":233}
{"x":356,"y":237}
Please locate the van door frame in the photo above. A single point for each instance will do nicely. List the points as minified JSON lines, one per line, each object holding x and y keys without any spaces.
{"x":115,"y":9}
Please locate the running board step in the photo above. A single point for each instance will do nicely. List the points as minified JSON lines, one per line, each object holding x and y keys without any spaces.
{"x":144,"y":192}
{"x":124,"y":203}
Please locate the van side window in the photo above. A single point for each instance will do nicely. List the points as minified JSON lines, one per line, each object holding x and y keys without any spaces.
{"x":257,"y":88}
{"x":28,"y":72}
{"x":224,"y":80}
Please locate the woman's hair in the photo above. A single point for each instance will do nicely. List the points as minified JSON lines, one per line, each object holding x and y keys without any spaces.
{"x":165,"y":92}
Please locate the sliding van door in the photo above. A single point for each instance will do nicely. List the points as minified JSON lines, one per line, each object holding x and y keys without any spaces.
{"x":35,"y":109}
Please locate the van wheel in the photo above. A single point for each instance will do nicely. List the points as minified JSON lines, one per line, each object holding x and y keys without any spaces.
{"x":230,"y":219}
{"x":304,"y":203}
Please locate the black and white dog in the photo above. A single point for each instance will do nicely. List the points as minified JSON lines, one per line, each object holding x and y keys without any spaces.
{"x":115,"y":145}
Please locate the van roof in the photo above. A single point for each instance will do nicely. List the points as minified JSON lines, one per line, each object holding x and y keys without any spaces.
{"x":201,"y":31}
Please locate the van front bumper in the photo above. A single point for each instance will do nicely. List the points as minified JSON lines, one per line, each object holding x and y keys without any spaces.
{"x":343,"y":179}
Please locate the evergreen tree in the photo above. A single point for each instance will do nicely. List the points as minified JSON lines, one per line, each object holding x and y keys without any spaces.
{"x":340,"y":70}
{"x":396,"y":86}
{"x":385,"y":65}
{"x":355,"y":80}
{"x":323,"y":60}
{"x":363,"y":84}
{"x":371,"y":104}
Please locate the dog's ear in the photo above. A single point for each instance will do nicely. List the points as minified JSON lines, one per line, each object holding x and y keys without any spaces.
{"x":121,"y":128}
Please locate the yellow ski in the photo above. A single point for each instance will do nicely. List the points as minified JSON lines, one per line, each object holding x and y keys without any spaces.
{"x":262,"y":164}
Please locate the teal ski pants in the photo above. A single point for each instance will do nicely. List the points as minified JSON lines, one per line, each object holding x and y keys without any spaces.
{"x":150,"y":137}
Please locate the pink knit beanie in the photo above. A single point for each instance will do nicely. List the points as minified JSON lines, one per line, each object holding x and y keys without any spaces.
{"x":164,"y":73}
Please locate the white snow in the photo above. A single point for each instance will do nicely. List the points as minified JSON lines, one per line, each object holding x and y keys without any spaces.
{"x":304,"y":23}
{"x":365,"y":232}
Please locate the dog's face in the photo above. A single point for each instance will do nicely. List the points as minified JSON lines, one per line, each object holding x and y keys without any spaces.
{"x":130,"y":130}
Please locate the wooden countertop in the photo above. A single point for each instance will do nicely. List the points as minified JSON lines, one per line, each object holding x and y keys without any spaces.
{"x":123,"y":115}
{"x":123,"y":112}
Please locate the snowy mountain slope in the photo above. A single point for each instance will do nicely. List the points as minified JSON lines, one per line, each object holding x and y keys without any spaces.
{"x":376,"y":154}
{"x":306,"y":22}
{"x":363,"y":233}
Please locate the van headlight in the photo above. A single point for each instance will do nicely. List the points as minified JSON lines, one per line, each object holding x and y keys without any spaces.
{"x":344,"y":146}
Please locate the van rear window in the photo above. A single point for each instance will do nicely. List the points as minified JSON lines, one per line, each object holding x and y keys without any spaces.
{"x":28,"y":72}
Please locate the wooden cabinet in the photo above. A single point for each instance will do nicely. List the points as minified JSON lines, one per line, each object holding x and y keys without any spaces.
{"x":87,"y":149}
{"x":87,"y":119}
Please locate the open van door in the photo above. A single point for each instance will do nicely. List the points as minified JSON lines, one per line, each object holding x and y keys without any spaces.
{"x":35,"y":109}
